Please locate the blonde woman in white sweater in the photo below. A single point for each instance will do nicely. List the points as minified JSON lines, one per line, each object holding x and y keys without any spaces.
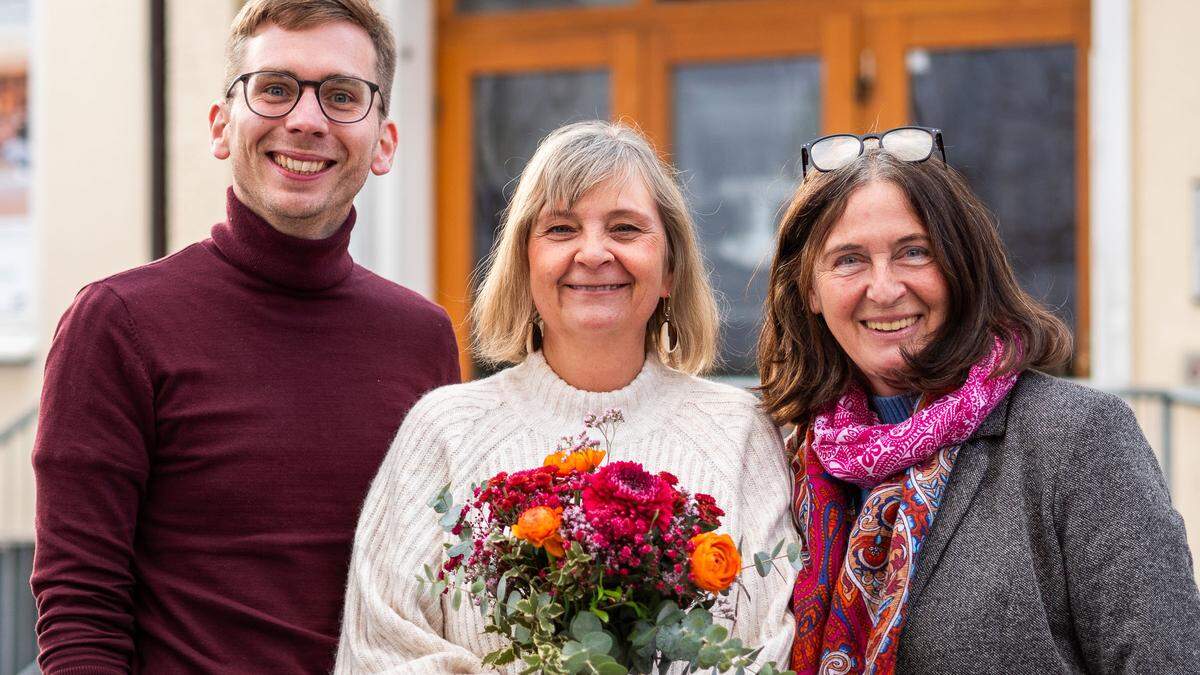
{"x":597,"y":291}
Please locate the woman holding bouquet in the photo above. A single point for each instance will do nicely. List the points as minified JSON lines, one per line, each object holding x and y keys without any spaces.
{"x":597,"y":292}
{"x":961,"y":511}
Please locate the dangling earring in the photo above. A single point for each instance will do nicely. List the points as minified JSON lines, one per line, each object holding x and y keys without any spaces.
{"x":529,"y":334}
{"x":664,"y":332}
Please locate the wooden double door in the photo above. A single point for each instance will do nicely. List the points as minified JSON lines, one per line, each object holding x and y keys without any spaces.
{"x":730,"y":89}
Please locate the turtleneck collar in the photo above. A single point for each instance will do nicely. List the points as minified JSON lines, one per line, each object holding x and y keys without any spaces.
{"x":252,"y":245}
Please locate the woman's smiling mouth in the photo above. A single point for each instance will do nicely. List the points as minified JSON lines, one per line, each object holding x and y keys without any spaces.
{"x":891,"y":326}
{"x":595,"y":288}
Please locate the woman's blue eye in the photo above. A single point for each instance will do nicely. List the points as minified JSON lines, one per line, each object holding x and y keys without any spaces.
{"x":916,"y":252}
{"x":844,"y":260}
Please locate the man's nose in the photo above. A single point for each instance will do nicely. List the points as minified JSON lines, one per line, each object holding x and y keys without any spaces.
{"x":885,"y":287}
{"x":307,"y":116}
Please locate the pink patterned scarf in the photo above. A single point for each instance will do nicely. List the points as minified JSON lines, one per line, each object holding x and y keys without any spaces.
{"x":854,"y":447}
{"x":850,"y":600}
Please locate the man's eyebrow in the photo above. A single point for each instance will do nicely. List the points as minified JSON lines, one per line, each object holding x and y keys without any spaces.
{"x":326,"y":76}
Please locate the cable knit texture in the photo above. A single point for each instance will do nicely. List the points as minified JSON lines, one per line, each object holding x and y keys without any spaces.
{"x":712,"y":436}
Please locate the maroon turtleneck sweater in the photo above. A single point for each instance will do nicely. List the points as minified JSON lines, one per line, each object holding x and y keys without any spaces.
{"x":210,"y":424}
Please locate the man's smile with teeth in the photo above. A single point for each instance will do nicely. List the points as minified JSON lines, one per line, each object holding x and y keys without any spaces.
{"x":891,"y":326}
{"x":299,"y":166}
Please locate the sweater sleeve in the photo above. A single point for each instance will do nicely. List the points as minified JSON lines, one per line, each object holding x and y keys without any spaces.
{"x":90,"y":463}
{"x":765,"y":520}
{"x":1129,"y":574}
{"x":389,"y":625}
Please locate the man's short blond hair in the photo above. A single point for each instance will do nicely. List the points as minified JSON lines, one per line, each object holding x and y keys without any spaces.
{"x":569,"y":163}
{"x":302,"y":14}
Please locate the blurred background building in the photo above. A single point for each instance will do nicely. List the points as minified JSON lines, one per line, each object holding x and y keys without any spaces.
{"x":1070,"y":117}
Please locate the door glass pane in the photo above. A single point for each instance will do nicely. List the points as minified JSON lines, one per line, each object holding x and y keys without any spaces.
{"x":511,"y":114}
{"x":509,"y":5}
{"x":738,"y":129}
{"x":1008,"y":116}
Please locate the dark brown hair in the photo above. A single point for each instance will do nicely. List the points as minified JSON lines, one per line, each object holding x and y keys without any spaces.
{"x":301,"y":14}
{"x":802,"y":366}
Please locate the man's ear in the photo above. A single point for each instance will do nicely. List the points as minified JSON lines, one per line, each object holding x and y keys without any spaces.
{"x":385,"y":149}
{"x":218,"y":125}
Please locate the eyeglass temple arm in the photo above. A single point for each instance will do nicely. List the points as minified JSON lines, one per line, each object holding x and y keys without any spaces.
{"x":942,"y":147}
{"x":803,"y":161}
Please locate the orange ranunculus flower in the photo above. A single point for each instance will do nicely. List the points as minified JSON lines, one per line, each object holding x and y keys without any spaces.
{"x":539,"y":526}
{"x":581,"y":460}
{"x":715,"y":561}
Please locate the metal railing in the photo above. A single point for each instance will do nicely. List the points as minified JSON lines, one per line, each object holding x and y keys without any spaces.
{"x":18,"y":643}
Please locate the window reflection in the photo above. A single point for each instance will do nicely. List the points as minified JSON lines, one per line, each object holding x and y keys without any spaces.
{"x":738,"y":130}
{"x":1008,"y":116}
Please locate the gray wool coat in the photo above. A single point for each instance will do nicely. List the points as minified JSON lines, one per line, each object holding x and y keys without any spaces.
{"x":1056,"y":548}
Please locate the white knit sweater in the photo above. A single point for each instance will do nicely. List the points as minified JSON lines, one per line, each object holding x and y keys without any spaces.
{"x":710,"y":435}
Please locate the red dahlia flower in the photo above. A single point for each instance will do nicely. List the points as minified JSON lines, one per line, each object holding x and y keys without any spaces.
{"x":622,"y":499}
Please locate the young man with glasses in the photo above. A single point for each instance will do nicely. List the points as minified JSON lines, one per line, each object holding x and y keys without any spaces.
{"x":211,"y":421}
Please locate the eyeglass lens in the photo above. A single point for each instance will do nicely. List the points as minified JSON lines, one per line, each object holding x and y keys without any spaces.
{"x":834,"y":152}
{"x":910,"y":145}
{"x":343,"y":99}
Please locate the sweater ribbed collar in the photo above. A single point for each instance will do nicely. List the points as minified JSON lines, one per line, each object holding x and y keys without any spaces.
{"x":252,"y":245}
{"x":542,"y":390}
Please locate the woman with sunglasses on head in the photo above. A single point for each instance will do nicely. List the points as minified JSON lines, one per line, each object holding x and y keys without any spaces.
{"x":961,"y":511}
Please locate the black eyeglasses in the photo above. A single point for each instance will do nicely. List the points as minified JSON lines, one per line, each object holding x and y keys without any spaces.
{"x":272,"y":94}
{"x":911,"y":144}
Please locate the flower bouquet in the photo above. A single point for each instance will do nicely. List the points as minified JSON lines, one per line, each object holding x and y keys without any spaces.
{"x":587,"y":566}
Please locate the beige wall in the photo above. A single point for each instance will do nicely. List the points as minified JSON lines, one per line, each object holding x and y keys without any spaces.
{"x":1166,"y":167}
{"x":90,"y":185}
{"x":196,"y":180}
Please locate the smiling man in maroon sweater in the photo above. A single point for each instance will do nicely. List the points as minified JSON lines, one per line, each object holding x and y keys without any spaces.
{"x":211,"y":421}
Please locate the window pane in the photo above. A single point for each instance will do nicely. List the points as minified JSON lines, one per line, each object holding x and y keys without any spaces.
{"x":1008,"y":116}
{"x":738,"y":131}
{"x":509,"y":5}
{"x":511,"y":114}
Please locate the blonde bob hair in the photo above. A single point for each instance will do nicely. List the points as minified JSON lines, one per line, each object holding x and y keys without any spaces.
{"x":570,"y":162}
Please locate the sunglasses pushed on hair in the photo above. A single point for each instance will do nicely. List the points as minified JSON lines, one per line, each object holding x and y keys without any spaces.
{"x":911,"y":144}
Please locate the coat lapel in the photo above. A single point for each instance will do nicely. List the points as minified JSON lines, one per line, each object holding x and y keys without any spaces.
{"x":969,"y":469}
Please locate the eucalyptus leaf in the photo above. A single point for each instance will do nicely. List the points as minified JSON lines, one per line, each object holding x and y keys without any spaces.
{"x":643,"y":634}
{"x":597,"y":643}
{"x":450,"y":518}
{"x":441,"y":501}
{"x":698,"y":620}
{"x":668,"y":613}
{"x":793,"y":552}
{"x":461,"y":548}
{"x":521,"y":634}
{"x":456,"y":599}
{"x":760,"y":564}
{"x":716,"y":633}
{"x":709,"y":656}
{"x":778,"y":547}
{"x":584,"y":624}
{"x":611,"y":668}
